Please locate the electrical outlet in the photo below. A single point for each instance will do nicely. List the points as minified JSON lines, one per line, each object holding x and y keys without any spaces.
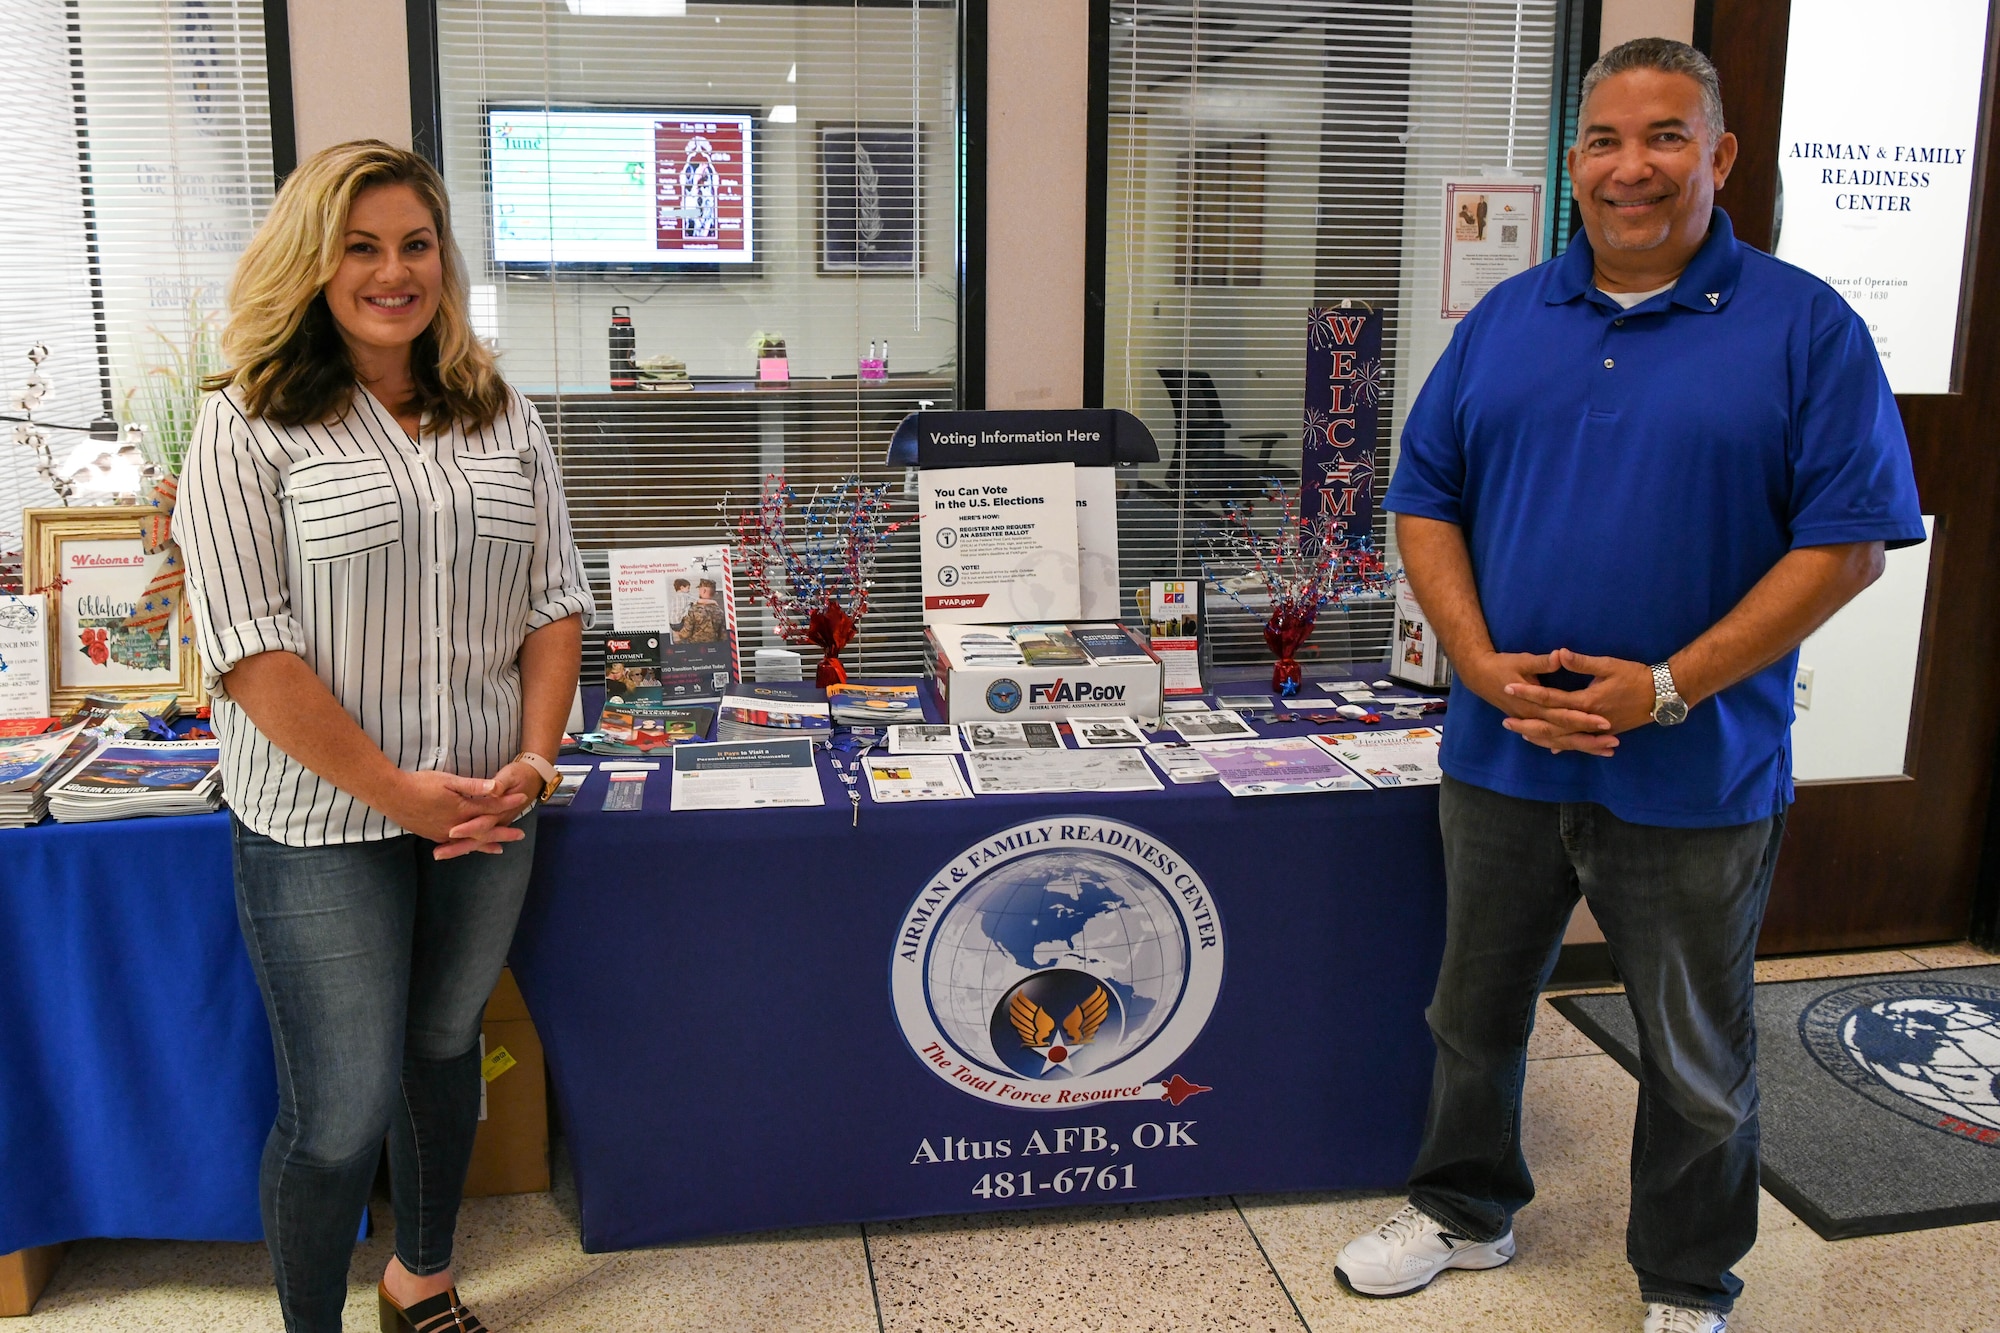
{"x":1802,"y":688}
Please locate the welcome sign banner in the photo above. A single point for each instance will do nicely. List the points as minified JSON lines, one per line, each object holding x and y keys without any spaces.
{"x":1343,"y":408}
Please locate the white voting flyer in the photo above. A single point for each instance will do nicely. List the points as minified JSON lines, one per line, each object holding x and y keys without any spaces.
{"x":746,"y":776}
{"x":999,"y":544}
{"x":1389,"y":758}
{"x":915,"y":777}
{"x":1018,"y":772}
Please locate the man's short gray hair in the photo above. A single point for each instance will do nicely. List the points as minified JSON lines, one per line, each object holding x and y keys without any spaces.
{"x":1668,"y":57}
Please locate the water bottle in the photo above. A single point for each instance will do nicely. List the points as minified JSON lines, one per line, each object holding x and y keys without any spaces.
{"x":624,"y":350}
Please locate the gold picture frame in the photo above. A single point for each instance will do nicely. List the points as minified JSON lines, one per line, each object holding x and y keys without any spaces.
{"x":93,"y":565}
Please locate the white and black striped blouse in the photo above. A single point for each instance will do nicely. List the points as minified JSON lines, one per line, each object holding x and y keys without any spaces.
{"x":406,"y":573}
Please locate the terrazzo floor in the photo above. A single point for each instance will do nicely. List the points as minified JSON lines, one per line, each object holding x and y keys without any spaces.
{"x":1246,"y":1263}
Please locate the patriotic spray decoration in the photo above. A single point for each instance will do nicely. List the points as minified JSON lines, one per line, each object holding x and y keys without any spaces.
{"x":817,"y":585}
{"x":1302,"y":564}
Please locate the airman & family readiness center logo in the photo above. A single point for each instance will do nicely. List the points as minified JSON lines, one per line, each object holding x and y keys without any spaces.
{"x":1057,"y":963}
{"x":1926,"y":1048}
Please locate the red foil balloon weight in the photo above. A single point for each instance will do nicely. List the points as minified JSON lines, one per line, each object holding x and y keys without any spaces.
{"x":832,"y":629}
{"x":1284,"y":632}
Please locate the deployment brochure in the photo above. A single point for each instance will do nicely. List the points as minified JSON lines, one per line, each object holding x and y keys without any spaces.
{"x":980,"y":736}
{"x":1278,"y":767}
{"x":1022,"y":772}
{"x":746,"y":776}
{"x":1100,"y":733}
{"x":1389,"y":758}
{"x":924,"y":738}
{"x":652,"y":668}
{"x":1210,"y":724}
{"x":915,"y":777}
{"x":874,"y":705}
{"x":673,"y":624}
{"x":24,"y":656}
{"x":1181,"y":762}
{"x":999,"y":543}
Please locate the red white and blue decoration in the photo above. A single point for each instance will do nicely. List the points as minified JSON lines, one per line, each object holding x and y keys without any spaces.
{"x":816,"y":583}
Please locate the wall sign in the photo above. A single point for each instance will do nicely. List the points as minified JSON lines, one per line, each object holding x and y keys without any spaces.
{"x":1876,"y":173}
{"x":1492,"y":231}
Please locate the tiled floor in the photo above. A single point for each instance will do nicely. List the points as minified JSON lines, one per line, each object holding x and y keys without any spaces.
{"x":1249,"y":1263}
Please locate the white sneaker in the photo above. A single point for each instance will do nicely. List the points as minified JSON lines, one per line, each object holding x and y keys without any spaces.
{"x":1407,"y":1251}
{"x":1680,"y":1319}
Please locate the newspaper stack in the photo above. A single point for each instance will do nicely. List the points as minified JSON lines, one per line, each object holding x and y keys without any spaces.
{"x":30,"y":765}
{"x":132,"y":779}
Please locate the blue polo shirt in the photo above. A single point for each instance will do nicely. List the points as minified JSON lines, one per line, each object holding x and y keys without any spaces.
{"x":1623,"y":477}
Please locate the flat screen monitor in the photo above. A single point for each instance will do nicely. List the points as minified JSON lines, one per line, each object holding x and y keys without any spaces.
{"x":620,"y":187}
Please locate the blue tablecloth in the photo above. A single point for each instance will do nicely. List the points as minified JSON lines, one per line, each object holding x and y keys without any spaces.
{"x":713,"y":991}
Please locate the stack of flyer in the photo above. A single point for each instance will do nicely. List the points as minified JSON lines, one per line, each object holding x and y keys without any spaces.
{"x":30,"y":765}
{"x":767,"y":713}
{"x":132,"y":779}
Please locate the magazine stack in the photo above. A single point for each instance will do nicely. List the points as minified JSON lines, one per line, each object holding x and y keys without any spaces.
{"x":130,"y":779}
{"x":30,"y":765}
{"x":766,"y":713}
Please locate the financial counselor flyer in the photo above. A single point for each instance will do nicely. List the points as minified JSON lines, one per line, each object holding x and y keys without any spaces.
{"x":1000,"y":544}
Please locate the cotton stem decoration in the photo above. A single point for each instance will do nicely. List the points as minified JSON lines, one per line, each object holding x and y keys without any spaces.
{"x":815,"y":583}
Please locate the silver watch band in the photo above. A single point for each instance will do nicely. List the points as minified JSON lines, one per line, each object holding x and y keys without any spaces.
{"x":1663,"y":682}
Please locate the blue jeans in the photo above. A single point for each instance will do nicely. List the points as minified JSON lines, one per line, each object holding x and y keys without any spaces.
{"x":1680,"y":909}
{"x":375,"y":962}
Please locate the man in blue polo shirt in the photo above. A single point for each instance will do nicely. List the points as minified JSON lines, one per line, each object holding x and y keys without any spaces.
{"x":1636,"y":480}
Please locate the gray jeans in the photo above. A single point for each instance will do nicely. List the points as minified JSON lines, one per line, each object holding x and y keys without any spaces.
{"x":1680,"y":909}
{"x":375,"y":962}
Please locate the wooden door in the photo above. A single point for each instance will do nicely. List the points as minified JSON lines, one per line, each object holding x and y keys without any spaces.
{"x":1896,"y":862}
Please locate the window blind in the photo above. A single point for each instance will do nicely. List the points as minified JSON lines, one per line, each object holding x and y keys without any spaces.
{"x":140,"y":163}
{"x":846,"y":242}
{"x":1264,"y":158}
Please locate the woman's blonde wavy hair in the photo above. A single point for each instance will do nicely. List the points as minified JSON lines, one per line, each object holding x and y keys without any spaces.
{"x":285,"y":353}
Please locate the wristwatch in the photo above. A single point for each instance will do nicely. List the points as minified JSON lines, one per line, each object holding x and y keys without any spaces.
{"x":1669,"y":709}
{"x":546,"y":771}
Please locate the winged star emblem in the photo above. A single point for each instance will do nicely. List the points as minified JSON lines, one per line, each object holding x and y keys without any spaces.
{"x":1037,"y":1025}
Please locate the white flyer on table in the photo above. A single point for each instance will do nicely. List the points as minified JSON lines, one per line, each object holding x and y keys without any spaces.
{"x":24,"y":656}
{"x":751,"y":775}
{"x":999,"y":544}
{"x":1389,"y":758}
{"x":915,"y":777}
{"x":1181,"y":762}
{"x":924,"y":738}
{"x":1100,"y":733}
{"x":1022,"y":772}
{"x":1211,"y":724}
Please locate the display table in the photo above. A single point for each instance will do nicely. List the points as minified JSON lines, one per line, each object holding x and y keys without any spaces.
{"x":714,"y":994}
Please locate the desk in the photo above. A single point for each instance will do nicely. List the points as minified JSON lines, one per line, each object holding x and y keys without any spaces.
{"x":714,"y":994}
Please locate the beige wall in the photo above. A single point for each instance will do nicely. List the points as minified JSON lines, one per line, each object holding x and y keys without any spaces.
{"x":350,"y":72}
{"x":1626,"y":19}
{"x":1038,"y":72}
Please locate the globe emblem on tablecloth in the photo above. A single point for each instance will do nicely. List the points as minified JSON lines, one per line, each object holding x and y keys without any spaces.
{"x":1927,"y":1050}
{"x":1077,"y":918}
{"x":1943,"y":1053}
{"x":1061,"y":961}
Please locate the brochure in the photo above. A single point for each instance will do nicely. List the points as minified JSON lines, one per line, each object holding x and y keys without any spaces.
{"x":1278,"y":767}
{"x":923,"y":738}
{"x":673,"y":615}
{"x":24,"y":762}
{"x":24,"y":656}
{"x":1181,"y":762}
{"x":1098,"y":733}
{"x":1048,"y":645}
{"x":126,"y":780}
{"x":764,"y":712}
{"x":652,"y":668}
{"x":1109,"y":645}
{"x":1211,"y":724}
{"x":1389,"y":758}
{"x":747,"y":776}
{"x":1020,"y":772}
{"x":999,"y":543}
{"x":643,"y":728}
{"x":874,"y":705}
{"x":1173,"y":625}
{"x":917,"y":777}
{"x":981,"y":736}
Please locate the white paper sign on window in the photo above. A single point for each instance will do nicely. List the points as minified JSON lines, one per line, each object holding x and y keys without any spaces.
{"x":1876,"y":167}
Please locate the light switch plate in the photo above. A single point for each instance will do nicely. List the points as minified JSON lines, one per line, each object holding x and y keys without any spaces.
{"x":1802,"y":688}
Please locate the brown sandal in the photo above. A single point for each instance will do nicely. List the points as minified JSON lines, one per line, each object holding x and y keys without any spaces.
{"x":439,"y":1314}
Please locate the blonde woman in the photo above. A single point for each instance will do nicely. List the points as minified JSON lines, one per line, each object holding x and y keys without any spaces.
{"x":389,"y":607}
